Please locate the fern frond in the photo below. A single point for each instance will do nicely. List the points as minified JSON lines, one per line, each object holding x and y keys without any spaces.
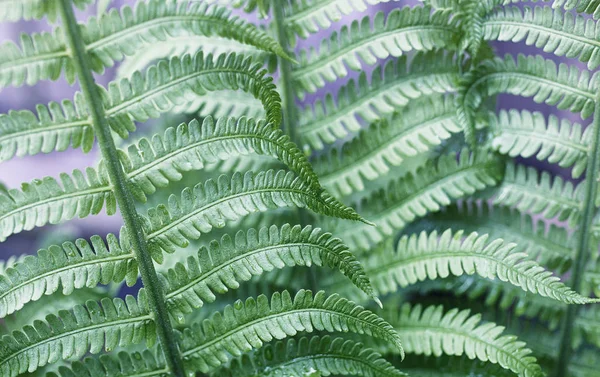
{"x":213,"y":204}
{"x":430,"y":188}
{"x":221,"y":266}
{"x":154,"y":163}
{"x":52,"y":128}
{"x":390,"y":87}
{"x":406,"y":29}
{"x":124,"y":364}
{"x":525,"y":133}
{"x":565,"y":87}
{"x":228,"y":103}
{"x":72,"y":266}
{"x":412,"y":130}
{"x":432,"y":256}
{"x":295,"y":357}
{"x":548,"y":29}
{"x":430,"y":331}
{"x":581,"y":6}
{"x":528,"y":190}
{"x":47,"y":201}
{"x":15,"y":10}
{"x":247,"y":325}
{"x":72,"y":334}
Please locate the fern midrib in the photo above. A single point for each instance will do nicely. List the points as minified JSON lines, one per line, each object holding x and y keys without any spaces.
{"x":307,"y":11}
{"x":518,"y":187}
{"x":206,"y":206}
{"x":390,"y":141}
{"x":537,"y":135}
{"x":530,"y":26}
{"x":216,"y":269}
{"x":273,"y":318}
{"x":66,"y":268}
{"x":331,"y":58}
{"x":118,"y":322}
{"x":32,"y":59}
{"x":368,"y":97}
{"x":44,"y":128}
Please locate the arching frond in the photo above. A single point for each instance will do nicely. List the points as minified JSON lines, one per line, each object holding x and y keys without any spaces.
{"x":524,"y":133}
{"x":154,"y":163}
{"x":294,"y":358}
{"x":540,"y":193}
{"x":412,"y":130}
{"x":46,"y":201}
{"x":123,"y":364}
{"x":72,"y":266}
{"x":55,"y":127}
{"x":551,"y":30}
{"x":72,"y":334}
{"x":248,"y":325}
{"x":15,"y":10}
{"x":222,"y":265}
{"x":390,"y":87}
{"x":430,"y":188}
{"x":430,"y":331}
{"x":406,"y":29}
{"x":213,"y":204}
{"x":581,"y":6}
{"x":432,"y":256}
{"x":451,"y":366}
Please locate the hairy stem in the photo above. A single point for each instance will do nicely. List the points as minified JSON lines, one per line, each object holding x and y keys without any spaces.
{"x":583,"y":241}
{"x":123,"y":197}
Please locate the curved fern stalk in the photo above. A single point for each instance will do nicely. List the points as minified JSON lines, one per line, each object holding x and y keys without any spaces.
{"x":403,"y":30}
{"x":527,"y":190}
{"x":309,"y":16}
{"x":549,"y":29}
{"x":115,"y":35}
{"x":430,"y":188}
{"x":72,"y":266}
{"x":581,"y":6}
{"x":72,"y":334}
{"x":295,"y":358}
{"x":525,"y":133}
{"x":432,"y":256}
{"x":213,"y":204}
{"x":46,"y":201}
{"x":15,"y":10}
{"x":564,"y":86}
{"x":154,"y":163}
{"x":248,"y":325}
{"x":135,"y":364}
{"x":223,"y":265}
{"x":163,"y":87}
{"x":411,"y":131}
{"x":390,"y":87}
{"x":553,"y":249}
{"x":430,"y":331}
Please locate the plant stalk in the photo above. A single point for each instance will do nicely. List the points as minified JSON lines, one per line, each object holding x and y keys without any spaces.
{"x":583,"y":242}
{"x":123,"y":196}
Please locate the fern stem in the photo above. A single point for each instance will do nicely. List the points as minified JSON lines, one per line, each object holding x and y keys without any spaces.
{"x":583,"y":241}
{"x":123,"y":197}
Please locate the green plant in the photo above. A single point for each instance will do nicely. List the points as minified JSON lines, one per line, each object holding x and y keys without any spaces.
{"x":251,"y":189}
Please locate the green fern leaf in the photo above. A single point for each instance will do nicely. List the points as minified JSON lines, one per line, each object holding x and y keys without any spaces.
{"x":135,"y":364}
{"x":72,"y":266}
{"x":322,"y":354}
{"x":222,"y":265}
{"x":88,"y":328}
{"x":154,"y":163}
{"x":432,"y":256}
{"x":528,"y":190}
{"x":227,"y":103}
{"x":524,"y":134}
{"x":403,"y":30}
{"x":428,"y":73}
{"x":248,"y":325}
{"x":213,"y":204}
{"x":15,"y":10}
{"x":431,"y":332}
{"x":430,"y":188}
{"x":548,"y":29}
{"x":413,"y":130}
{"x":46,"y":201}
{"x":581,"y":6}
